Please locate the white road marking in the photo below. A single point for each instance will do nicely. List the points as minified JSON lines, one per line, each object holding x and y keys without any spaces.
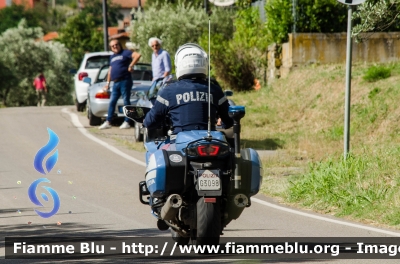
{"x":253,"y":199}
{"x":82,"y":129}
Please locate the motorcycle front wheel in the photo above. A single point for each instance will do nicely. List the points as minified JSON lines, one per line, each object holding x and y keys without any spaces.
{"x":208,"y":222}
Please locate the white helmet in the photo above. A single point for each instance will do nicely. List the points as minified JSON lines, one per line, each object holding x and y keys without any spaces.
{"x":191,"y":59}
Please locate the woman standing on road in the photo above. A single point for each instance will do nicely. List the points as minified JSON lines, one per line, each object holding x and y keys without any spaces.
{"x":41,"y":89}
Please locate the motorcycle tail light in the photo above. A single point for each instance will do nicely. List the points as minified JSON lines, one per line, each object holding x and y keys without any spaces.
{"x":82,"y":75}
{"x":102,"y":95}
{"x":208,"y":150}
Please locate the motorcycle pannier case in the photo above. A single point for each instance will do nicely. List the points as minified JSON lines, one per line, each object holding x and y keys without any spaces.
{"x":251,"y":171}
{"x":165,"y":172}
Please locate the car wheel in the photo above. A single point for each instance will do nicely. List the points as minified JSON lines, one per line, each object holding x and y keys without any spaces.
{"x":77,"y":105}
{"x":83,"y":106}
{"x":138,"y":135}
{"x":93,"y":120}
{"x":80,"y":107}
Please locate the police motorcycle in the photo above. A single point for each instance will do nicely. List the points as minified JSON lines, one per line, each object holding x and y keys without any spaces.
{"x":200,"y":186}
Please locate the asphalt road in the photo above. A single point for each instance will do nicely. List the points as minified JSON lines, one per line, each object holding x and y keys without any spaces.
{"x":96,"y":180}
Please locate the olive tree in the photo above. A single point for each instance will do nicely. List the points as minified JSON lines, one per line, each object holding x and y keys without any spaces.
{"x":376,"y":15}
{"x":175,"y":25}
{"x":22,"y":56}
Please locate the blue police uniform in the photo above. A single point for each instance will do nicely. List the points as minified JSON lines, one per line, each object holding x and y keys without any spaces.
{"x":186,"y":101}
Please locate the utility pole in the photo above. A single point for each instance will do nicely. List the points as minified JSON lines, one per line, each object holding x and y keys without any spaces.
{"x":346,"y":131}
{"x":105,"y":25}
{"x":294,"y":13}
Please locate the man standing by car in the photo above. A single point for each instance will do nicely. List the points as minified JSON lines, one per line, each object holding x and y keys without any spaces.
{"x":121,"y":66}
{"x":160,"y":60}
{"x":41,"y":89}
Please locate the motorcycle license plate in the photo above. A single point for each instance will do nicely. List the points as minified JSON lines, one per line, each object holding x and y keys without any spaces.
{"x":208,"y":180}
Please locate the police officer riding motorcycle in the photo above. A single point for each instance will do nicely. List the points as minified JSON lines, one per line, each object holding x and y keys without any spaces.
{"x":196,"y":182}
{"x":186,"y":101}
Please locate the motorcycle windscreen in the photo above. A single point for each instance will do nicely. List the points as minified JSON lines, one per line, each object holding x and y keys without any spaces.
{"x":184,"y":137}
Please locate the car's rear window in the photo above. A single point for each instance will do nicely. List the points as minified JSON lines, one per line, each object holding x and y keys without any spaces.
{"x":102,"y":75}
{"x":97,"y":61}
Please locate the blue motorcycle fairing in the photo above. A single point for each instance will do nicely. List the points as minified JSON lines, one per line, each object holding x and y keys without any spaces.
{"x":257,"y":172}
{"x":254,"y":169}
{"x":156,"y":173}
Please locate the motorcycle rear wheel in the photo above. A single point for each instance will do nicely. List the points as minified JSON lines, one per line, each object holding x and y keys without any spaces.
{"x":208,"y":222}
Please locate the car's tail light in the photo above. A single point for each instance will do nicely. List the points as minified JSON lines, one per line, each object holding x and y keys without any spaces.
{"x":82,"y":75}
{"x":102,"y":95}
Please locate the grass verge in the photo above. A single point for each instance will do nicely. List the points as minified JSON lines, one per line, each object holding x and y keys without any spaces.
{"x":301,"y":116}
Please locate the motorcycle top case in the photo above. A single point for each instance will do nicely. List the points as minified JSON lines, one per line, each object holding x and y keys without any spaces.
{"x":251,"y":171}
{"x":165,"y":173}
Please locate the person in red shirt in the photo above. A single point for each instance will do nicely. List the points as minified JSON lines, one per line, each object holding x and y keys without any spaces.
{"x":41,"y":89}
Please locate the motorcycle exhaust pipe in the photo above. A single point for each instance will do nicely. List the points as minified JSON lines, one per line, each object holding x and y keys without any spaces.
{"x":171,"y":207}
{"x":236,"y":205}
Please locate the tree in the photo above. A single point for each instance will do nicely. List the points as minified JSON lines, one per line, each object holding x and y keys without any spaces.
{"x":238,"y":51}
{"x":55,"y":18}
{"x":326,"y":16}
{"x":175,"y":25}
{"x":375,"y":15}
{"x":81,"y":34}
{"x":94,"y":8}
{"x":158,"y":3}
{"x":11,"y":15}
{"x":24,"y":59}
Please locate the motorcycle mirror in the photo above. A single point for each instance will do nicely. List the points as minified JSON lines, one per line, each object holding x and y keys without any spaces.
{"x":228,"y":93}
{"x":136,"y":113}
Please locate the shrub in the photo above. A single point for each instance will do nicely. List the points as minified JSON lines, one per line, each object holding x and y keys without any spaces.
{"x":311,"y":16}
{"x":375,"y":73}
{"x":236,"y":55}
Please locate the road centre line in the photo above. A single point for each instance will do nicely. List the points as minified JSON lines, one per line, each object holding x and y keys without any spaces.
{"x":83,"y":130}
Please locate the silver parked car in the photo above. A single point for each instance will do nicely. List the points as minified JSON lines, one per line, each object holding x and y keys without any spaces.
{"x":98,"y":100}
